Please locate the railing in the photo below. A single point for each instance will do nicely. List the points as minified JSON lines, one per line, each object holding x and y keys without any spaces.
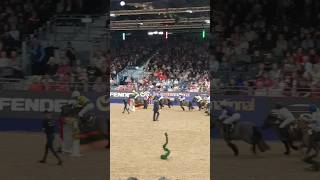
{"x":131,"y":72}
{"x":24,"y":85}
{"x":271,"y":92}
{"x":160,"y":11}
{"x":136,"y":74}
{"x":125,"y":88}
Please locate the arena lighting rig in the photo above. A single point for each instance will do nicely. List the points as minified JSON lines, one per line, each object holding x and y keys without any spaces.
{"x":160,"y":11}
{"x":201,"y":22}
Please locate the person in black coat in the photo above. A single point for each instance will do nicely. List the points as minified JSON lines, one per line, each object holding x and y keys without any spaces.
{"x":156,"y":108}
{"x":49,"y":129}
{"x":125,"y":108}
{"x":145,"y":102}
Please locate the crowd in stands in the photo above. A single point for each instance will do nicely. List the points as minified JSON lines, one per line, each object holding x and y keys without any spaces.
{"x":20,"y":21}
{"x":131,"y":53}
{"x":266,"y":48}
{"x":176,"y":64}
{"x":17,"y":19}
{"x":63,"y":75}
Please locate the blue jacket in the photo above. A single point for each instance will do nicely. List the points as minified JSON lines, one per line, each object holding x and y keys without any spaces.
{"x":230,"y":110}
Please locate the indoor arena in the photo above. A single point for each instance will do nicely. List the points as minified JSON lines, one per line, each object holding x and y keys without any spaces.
{"x":20,"y":152}
{"x":138,"y":140}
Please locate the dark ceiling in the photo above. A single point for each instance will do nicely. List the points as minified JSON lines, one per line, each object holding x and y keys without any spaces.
{"x":115,"y":4}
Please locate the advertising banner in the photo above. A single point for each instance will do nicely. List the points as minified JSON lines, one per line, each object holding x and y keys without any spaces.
{"x":20,"y":110}
{"x":256,"y":109}
{"x":31,"y":105}
{"x":117,"y":97}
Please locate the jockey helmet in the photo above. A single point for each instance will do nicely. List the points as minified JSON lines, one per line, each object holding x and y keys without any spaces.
{"x":224,"y":103}
{"x":75,"y":94}
{"x":312,"y":108}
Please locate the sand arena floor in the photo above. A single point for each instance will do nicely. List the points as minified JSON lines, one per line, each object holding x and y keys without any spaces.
{"x":136,"y":144}
{"x":272,"y":165}
{"x":20,"y":151}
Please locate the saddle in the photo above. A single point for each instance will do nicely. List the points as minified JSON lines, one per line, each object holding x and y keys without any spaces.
{"x":229,"y":129}
{"x":286,"y":133}
{"x":87,"y":123}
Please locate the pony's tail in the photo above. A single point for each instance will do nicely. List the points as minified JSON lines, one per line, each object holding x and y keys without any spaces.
{"x":258,"y":139}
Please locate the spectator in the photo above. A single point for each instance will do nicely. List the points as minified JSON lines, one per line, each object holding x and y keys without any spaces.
{"x":4,"y":61}
{"x":70,"y":54}
{"x":100,"y":85}
{"x":36,"y":85}
{"x":52,"y":66}
{"x":287,"y":49}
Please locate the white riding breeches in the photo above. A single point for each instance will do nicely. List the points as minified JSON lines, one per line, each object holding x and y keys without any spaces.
{"x":315,"y":127}
{"x":286,"y":122}
{"x":86,"y":109}
{"x":232,"y":119}
{"x":315,"y":121}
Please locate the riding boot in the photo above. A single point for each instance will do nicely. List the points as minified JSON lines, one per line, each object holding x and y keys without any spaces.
{"x":284,"y":133}
{"x":226,"y":130}
{"x":181,"y":105}
{"x":154,"y":116}
{"x":229,"y":131}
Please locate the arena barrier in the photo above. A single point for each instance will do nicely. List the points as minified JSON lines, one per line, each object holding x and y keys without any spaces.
{"x":117,"y":96}
{"x":22,"y":110}
{"x":256,"y":109}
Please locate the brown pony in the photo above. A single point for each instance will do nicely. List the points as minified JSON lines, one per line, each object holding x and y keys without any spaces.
{"x":309,"y":142}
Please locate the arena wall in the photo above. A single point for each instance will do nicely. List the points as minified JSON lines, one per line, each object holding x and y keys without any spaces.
{"x":22,"y":111}
{"x":256,"y":109}
{"x":118,"y":96}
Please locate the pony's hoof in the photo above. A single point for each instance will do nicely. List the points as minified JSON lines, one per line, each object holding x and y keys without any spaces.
{"x":286,"y":153}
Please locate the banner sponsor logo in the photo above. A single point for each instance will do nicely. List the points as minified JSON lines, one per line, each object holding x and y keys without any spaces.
{"x":102,"y":103}
{"x":176,"y":94}
{"x":32,"y":104}
{"x":248,"y":105}
{"x":18,"y":104}
{"x":121,"y":95}
{"x":145,"y":94}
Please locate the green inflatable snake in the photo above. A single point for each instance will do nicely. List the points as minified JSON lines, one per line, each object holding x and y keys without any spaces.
{"x":167,"y":151}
